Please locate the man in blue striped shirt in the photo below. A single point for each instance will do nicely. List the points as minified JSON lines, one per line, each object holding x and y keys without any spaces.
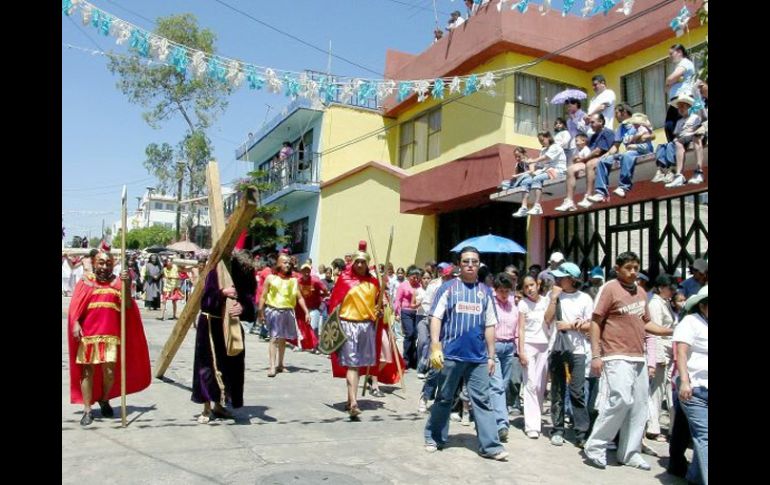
{"x":463,"y":316}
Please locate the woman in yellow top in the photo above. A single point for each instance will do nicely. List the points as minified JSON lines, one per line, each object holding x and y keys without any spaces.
{"x":276,"y":310}
{"x":171,"y":289}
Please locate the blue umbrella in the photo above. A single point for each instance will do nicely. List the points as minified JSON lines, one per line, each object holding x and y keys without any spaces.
{"x":491,"y":244}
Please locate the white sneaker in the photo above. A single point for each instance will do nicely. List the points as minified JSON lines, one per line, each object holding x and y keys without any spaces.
{"x":566,"y":206}
{"x":557,"y":440}
{"x":420,"y":375}
{"x":660,"y":176}
{"x":668,"y":178}
{"x":533,"y":434}
{"x":466,"y":420}
{"x":422,"y":407}
{"x":522,"y":212}
{"x":696,"y":179}
{"x":454,"y":417}
{"x":597,"y":197}
{"x":585,"y":203}
{"x":499,"y":457}
{"x":619,"y":192}
{"x":536,"y":210}
{"x":677,"y":182}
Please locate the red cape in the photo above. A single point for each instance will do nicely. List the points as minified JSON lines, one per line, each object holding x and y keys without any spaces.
{"x":386,"y":372}
{"x":138,"y":374}
{"x":309,"y":338}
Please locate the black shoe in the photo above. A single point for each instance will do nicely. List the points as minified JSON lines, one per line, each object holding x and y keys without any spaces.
{"x":503,"y":435}
{"x":107,"y":411}
{"x":580,"y":443}
{"x":86,"y":419}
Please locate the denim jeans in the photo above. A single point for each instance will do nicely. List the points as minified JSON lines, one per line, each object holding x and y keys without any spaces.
{"x":697,"y":412}
{"x":576,"y":363}
{"x":409,"y":326}
{"x":627,"y":166}
{"x":430,"y":384}
{"x":665,"y":155}
{"x":503,"y":368}
{"x":423,"y":344}
{"x":679,"y":438}
{"x":529,"y":182}
{"x":477,"y":378}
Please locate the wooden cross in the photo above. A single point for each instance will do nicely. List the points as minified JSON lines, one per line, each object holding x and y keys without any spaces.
{"x":244,"y":212}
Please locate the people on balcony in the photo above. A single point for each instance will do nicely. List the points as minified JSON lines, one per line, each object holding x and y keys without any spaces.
{"x":520,"y":169}
{"x":681,"y":81}
{"x":554,"y":165}
{"x":563,"y":137}
{"x":603,"y":102}
{"x":455,"y":20}
{"x":671,"y":154}
{"x":599,"y":143}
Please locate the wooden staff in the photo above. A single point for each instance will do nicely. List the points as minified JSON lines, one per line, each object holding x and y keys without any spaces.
{"x":125,"y":295}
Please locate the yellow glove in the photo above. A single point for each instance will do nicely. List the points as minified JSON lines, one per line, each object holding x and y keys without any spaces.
{"x":436,"y":356}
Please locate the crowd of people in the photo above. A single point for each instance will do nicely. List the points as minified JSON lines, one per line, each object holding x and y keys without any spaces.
{"x":614,"y":348}
{"x":587,"y":142}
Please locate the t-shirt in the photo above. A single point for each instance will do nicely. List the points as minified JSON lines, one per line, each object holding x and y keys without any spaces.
{"x":281,"y":292}
{"x":687,"y":84}
{"x":576,"y":123}
{"x":606,"y":96}
{"x":564,"y":139}
{"x":694,"y":331}
{"x":621,"y":315}
{"x":507,"y":328}
{"x":584,"y":152}
{"x":690,"y":286}
{"x":687,"y":125}
{"x":465,"y":310}
{"x":557,"y":158}
{"x":311,"y":292}
{"x":602,"y":140}
{"x":660,"y":313}
{"x":430,"y":294}
{"x":419,"y":296}
{"x":404,"y":295}
{"x":535,"y":330}
{"x":575,"y":305}
{"x":453,"y":25}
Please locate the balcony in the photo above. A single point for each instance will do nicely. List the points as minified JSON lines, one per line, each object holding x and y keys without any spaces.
{"x":298,"y":176}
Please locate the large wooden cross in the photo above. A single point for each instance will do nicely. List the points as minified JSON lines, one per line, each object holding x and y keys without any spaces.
{"x":244,"y":212}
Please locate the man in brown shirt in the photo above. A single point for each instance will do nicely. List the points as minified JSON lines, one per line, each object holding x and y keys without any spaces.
{"x":620,"y":320}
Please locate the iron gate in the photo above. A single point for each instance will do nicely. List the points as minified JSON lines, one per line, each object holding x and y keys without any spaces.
{"x":666,"y":234}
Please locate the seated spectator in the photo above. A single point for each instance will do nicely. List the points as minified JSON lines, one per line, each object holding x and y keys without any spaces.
{"x":636,"y":134}
{"x":455,"y":20}
{"x":601,"y":141}
{"x":672,"y":153}
{"x":555,"y":165}
{"x":563,"y":138}
{"x":521,"y":168}
{"x":581,"y":146}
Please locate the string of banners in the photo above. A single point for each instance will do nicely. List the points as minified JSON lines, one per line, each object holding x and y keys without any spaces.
{"x":326,"y":89}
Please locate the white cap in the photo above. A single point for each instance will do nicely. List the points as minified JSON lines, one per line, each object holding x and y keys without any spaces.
{"x":556,"y":257}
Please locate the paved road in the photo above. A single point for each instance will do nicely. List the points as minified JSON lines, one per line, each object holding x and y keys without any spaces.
{"x":293,"y":429}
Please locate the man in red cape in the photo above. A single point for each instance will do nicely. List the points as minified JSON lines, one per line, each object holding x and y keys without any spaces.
{"x":356,"y":292}
{"x":94,"y":340}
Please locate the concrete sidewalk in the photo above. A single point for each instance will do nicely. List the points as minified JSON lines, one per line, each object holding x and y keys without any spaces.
{"x":293,"y":429}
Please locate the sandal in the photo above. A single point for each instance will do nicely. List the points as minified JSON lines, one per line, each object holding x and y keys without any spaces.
{"x":86,"y":419}
{"x":271,"y":373}
{"x":222,"y":413}
{"x":204,"y":419}
{"x":280,"y":368}
{"x":354,"y":411}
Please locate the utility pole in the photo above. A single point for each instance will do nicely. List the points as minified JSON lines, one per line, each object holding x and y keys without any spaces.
{"x":150,"y":190}
{"x":180,"y":168}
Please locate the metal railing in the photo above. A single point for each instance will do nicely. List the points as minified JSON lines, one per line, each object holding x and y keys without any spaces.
{"x":299,"y":168}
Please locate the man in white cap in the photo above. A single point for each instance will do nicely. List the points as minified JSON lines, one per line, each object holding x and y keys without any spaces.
{"x":555,"y":261}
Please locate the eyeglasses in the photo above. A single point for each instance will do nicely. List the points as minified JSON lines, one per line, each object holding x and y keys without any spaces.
{"x":470,"y":262}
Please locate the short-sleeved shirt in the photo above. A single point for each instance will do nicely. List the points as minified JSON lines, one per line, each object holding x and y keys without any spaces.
{"x":465,"y":310}
{"x":606,"y":96}
{"x":694,"y":331}
{"x":535,"y":330}
{"x":311,"y":292}
{"x":687,"y":84}
{"x":622,"y":314}
{"x":602,"y":140}
{"x":507,"y":319}
{"x":574,"y":306}
{"x":281,"y":292}
{"x":556,"y":157}
{"x":690,"y":287}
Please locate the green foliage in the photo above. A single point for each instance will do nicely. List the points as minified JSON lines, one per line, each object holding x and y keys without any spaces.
{"x":145,"y":237}
{"x":703,"y":15}
{"x":265,"y":225}
{"x":167,"y":94}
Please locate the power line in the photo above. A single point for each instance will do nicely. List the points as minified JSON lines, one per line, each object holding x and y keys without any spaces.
{"x":93,"y":41}
{"x":110,"y":185}
{"x":132,"y":12}
{"x":312,"y":46}
{"x":512,"y":71}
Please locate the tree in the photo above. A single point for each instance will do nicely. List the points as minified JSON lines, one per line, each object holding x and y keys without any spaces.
{"x":168,"y":95}
{"x":94,"y":242}
{"x":703,"y":15}
{"x":265,"y":225}
{"x":146,"y":237}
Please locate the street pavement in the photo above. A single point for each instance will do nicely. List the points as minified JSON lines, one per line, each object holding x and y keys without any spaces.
{"x":293,"y":430}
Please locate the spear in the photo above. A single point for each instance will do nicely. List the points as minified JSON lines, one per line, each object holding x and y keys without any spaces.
{"x":125,"y":295}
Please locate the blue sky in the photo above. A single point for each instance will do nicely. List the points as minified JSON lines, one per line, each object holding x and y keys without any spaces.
{"x":104,"y":136}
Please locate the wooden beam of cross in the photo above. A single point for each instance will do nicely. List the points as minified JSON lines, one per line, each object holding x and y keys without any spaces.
{"x":244,"y":212}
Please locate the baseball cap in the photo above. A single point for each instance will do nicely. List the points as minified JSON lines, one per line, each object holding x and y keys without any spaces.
{"x":546,"y":275}
{"x":597,"y":272}
{"x":556,"y":257}
{"x":700,"y":265}
{"x":447,"y":270}
{"x":643,"y":276}
{"x":567,"y":269}
{"x":306,"y":265}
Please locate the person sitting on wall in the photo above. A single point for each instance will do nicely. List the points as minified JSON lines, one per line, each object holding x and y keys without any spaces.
{"x":673,"y":152}
{"x":521,"y":168}
{"x":455,"y":20}
{"x":555,"y":165}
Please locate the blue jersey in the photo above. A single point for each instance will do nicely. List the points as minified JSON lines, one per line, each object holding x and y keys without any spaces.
{"x":465,"y":310}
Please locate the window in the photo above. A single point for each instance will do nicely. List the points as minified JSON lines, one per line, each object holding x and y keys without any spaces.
{"x":170,"y":207}
{"x":420,"y":139}
{"x":645,"y":90}
{"x":297,"y":232}
{"x":533,"y":110}
{"x":158,"y":205}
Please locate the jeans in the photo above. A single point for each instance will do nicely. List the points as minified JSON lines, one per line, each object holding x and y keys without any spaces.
{"x":503,"y":368}
{"x":409,"y":325}
{"x":423,"y":344}
{"x":665,"y":155}
{"x":576,"y":363}
{"x":627,"y":166}
{"x":513,"y":391}
{"x":697,"y":412}
{"x":430,"y":384}
{"x":672,"y":116}
{"x":529,"y":182}
{"x":477,"y":378}
{"x":679,"y":438}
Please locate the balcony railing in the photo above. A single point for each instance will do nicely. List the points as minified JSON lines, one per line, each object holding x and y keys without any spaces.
{"x":300,"y":168}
